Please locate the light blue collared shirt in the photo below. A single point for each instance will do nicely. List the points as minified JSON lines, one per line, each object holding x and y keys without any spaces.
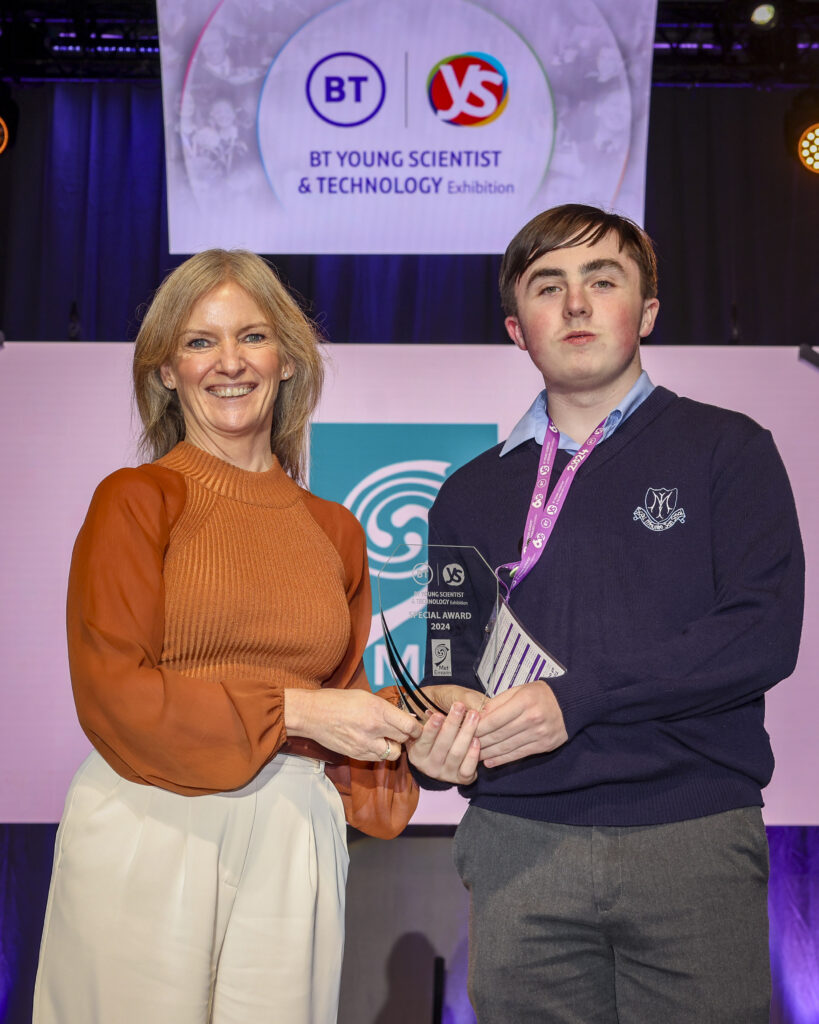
{"x":533,"y":422}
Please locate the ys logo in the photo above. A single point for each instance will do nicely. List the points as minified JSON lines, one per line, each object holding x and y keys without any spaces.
{"x":468,"y":89}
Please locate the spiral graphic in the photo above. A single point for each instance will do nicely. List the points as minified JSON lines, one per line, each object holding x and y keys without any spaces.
{"x":392,"y":504}
{"x":440,"y":652}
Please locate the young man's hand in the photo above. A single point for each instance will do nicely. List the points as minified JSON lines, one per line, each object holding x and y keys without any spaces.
{"x":448,"y":749}
{"x":519,"y":722}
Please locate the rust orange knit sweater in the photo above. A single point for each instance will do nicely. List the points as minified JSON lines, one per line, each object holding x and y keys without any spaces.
{"x":197,"y":593}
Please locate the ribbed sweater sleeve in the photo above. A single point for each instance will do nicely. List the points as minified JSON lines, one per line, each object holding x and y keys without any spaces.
{"x":152,"y":723}
{"x":379,"y":797}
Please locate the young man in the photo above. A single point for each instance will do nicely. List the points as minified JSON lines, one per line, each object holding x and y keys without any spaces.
{"x":614,"y":847}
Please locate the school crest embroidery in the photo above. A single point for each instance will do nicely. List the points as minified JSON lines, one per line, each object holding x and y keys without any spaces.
{"x":660,"y":511}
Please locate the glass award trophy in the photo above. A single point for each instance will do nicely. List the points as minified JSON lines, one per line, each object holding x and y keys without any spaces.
{"x":453,"y":610}
{"x":450,"y":598}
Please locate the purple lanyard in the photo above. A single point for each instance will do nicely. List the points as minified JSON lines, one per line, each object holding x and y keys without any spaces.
{"x":539,"y":526}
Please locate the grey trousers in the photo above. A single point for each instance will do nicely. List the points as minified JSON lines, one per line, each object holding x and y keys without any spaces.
{"x":662,"y":924}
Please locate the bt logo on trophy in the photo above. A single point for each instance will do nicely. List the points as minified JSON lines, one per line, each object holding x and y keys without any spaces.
{"x":345,"y":89}
{"x":468,"y":89}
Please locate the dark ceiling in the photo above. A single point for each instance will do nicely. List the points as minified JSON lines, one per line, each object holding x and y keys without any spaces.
{"x":697,"y":42}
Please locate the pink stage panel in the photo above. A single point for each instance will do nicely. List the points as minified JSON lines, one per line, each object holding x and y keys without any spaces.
{"x":67,"y":420}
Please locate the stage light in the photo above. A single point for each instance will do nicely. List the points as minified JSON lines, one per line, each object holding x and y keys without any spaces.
{"x":808,"y":149}
{"x":802,"y":129}
{"x":764,"y":16}
{"x":9,"y":115}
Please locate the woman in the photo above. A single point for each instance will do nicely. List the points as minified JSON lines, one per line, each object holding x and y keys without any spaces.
{"x":217,"y":615}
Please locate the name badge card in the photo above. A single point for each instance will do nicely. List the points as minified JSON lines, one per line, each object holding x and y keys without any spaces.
{"x":511,"y":657}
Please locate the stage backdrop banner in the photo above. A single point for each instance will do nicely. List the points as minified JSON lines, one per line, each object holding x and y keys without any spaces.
{"x":394,"y":422}
{"x":398,"y":126}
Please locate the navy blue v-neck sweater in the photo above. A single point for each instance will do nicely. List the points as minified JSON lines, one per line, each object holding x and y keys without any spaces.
{"x":671,"y":634}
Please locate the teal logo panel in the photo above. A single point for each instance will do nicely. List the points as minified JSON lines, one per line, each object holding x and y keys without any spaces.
{"x":389,"y":474}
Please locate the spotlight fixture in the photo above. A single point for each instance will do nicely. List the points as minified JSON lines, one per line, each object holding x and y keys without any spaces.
{"x":764,"y":16}
{"x":808,"y":149}
{"x":802,"y":129}
{"x":9,"y":115}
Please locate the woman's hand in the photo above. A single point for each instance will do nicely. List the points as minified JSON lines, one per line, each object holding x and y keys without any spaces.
{"x":448,"y":748}
{"x":352,"y":722}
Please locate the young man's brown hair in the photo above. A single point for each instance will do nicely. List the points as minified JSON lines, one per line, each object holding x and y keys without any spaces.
{"x":566,"y":226}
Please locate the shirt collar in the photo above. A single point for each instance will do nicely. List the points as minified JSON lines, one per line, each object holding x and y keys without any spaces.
{"x":533,"y":422}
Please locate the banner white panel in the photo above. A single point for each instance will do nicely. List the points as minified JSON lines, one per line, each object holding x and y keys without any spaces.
{"x":80,"y":428}
{"x":398,"y":126}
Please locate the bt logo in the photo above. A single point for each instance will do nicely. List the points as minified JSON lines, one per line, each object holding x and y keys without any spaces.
{"x":345,"y":89}
{"x":422,"y":573}
{"x":469,"y":89}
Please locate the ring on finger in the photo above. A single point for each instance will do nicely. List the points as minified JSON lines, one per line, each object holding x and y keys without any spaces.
{"x":387,"y":749}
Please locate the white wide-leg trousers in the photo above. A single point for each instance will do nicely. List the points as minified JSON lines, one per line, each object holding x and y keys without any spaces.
{"x":222,"y":909}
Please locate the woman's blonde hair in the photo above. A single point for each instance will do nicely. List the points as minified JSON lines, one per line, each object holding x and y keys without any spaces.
{"x":297,"y":337}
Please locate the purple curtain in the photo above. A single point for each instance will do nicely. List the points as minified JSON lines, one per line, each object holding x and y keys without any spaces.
{"x":82,"y":219}
{"x":793,"y":903}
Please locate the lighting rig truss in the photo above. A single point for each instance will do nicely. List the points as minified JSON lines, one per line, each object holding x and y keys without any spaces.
{"x":708,"y":42}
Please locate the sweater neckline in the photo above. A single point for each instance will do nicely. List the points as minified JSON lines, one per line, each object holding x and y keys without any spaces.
{"x":659,"y":399}
{"x":271,"y":488}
